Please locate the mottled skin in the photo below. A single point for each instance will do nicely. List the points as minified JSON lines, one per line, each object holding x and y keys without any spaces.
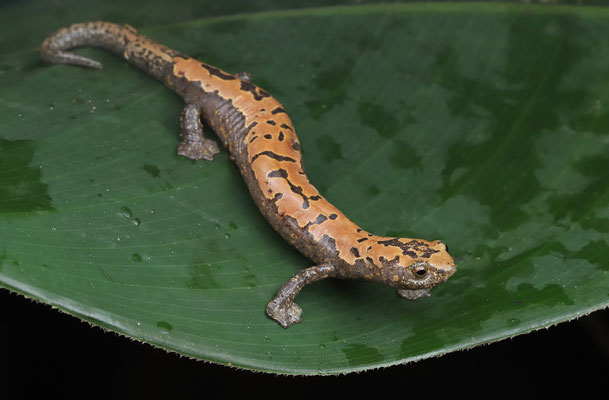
{"x":261,"y":138}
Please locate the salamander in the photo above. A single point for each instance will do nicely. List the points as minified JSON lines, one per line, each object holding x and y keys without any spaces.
{"x":261,"y":139}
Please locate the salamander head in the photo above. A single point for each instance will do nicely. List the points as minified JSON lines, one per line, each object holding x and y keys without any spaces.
{"x":416,"y":267}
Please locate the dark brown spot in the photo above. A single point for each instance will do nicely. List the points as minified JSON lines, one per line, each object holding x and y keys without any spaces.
{"x":286,"y":126}
{"x":258,"y":93}
{"x":333,"y":216}
{"x":271,"y":122}
{"x":279,"y":173}
{"x":315,"y":197}
{"x":411,"y":248}
{"x":278,"y":110}
{"x":298,"y":191}
{"x":320,"y":218}
{"x":216,"y":72}
{"x":268,"y":136}
{"x":388,"y":263}
{"x":254,"y":138}
{"x":361,"y":240}
{"x":355,"y":251}
{"x":295,"y":145}
{"x":280,"y":137}
{"x":282,"y":173}
{"x":272,"y":155}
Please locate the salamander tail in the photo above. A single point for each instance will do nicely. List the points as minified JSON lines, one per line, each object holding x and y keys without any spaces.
{"x":95,"y":34}
{"x":122,"y":40}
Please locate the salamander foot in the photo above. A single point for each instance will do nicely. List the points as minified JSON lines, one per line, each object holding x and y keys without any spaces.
{"x":194,"y":145}
{"x":197,"y":150}
{"x":284,"y":314}
{"x":283,"y":309}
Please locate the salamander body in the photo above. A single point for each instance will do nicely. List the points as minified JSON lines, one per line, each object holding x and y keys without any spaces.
{"x":261,"y":138}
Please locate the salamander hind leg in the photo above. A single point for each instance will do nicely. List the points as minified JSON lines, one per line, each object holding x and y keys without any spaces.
{"x":283,"y":309}
{"x":194,"y":145}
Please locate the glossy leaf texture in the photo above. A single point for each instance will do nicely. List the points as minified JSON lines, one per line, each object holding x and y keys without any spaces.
{"x":484,"y":125}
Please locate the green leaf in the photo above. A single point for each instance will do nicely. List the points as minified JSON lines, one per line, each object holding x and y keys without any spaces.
{"x":485,"y":126}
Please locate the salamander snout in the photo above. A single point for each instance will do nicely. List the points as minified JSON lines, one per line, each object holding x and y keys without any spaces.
{"x":441,"y":261}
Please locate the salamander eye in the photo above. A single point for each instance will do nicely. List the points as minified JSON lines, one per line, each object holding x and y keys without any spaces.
{"x":420,"y":272}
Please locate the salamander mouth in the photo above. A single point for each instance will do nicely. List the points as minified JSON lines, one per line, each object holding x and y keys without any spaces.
{"x":413,"y":294}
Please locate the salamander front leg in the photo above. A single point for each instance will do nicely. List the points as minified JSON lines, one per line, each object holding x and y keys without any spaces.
{"x":283,"y":309}
{"x":194,"y":145}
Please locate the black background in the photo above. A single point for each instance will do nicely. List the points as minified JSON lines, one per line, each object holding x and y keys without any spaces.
{"x":45,"y":349}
